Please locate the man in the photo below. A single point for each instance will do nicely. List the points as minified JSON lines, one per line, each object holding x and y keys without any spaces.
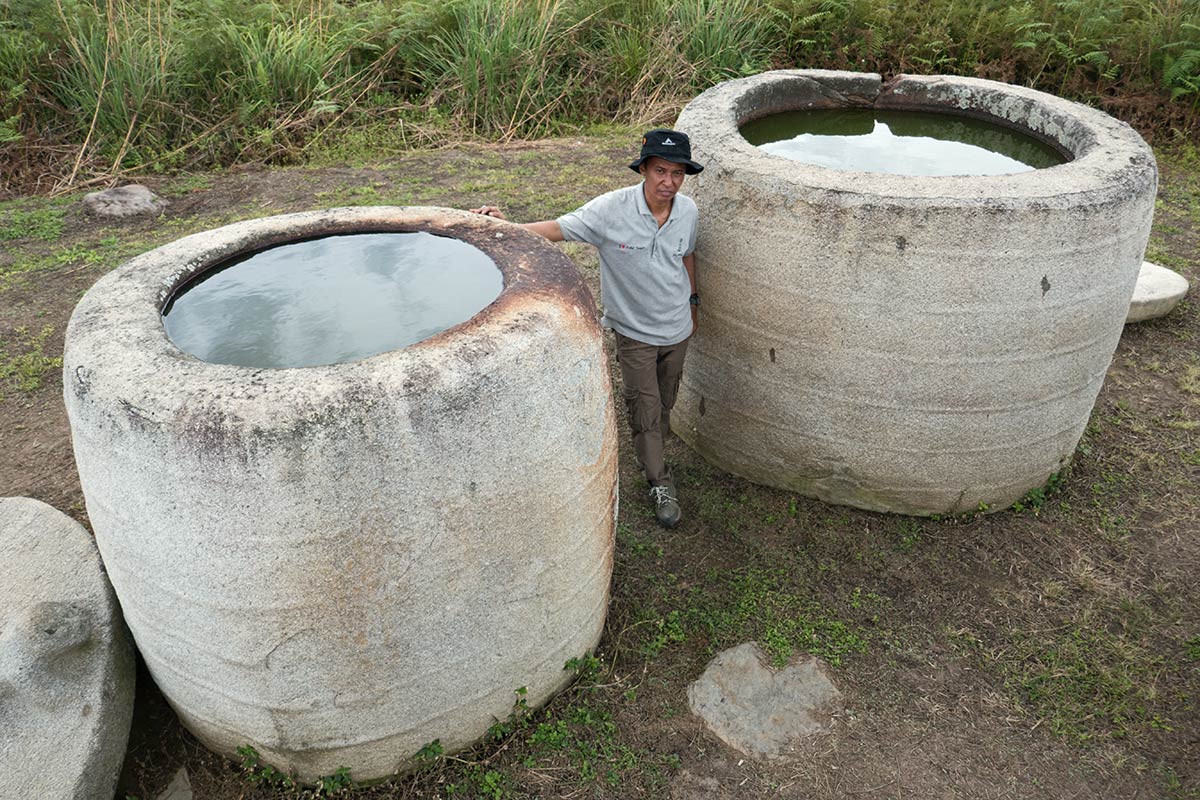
{"x":645,"y":235}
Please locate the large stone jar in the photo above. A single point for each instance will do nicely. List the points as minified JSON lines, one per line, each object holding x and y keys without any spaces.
{"x":921,"y":345}
{"x":337,"y":565}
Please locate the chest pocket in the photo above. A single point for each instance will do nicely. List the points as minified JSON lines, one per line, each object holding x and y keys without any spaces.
{"x":630,"y":252}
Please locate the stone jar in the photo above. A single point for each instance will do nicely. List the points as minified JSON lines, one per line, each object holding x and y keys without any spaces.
{"x":922,"y":345}
{"x":338,"y":565}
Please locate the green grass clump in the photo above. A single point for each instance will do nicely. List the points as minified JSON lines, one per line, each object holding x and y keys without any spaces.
{"x":764,"y":604}
{"x":257,"y":772}
{"x":106,"y":251}
{"x":579,"y":742}
{"x":1035,"y":498}
{"x":504,"y":69}
{"x":45,"y":224}
{"x":24,"y":363}
{"x":1086,"y":682}
{"x":585,"y":737}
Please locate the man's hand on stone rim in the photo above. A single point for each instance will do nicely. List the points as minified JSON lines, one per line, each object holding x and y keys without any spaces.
{"x":490,"y":211}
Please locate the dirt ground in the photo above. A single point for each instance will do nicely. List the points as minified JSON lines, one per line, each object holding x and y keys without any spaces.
{"x":1047,"y":652}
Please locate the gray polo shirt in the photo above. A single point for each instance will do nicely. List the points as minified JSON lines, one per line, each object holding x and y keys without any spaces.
{"x":644,"y":286}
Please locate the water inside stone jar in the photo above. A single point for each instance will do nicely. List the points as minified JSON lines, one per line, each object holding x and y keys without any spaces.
{"x":331,"y":300}
{"x":919,"y":143}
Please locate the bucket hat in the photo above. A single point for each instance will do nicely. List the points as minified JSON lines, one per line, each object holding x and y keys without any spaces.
{"x":669,"y":145}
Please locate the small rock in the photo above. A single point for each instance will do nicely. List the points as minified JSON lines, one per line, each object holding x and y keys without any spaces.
{"x":1158,"y":291}
{"x":759,"y":711}
{"x":124,"y":201}
{"x":66,"y":660}
{"x":180,"y":787}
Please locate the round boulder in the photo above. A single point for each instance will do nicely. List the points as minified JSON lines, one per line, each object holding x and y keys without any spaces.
{"x":133,"y":200}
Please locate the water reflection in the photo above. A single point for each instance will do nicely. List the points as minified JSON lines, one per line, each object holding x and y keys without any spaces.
{"x":331,"y":300}
{"x":900,"y":142}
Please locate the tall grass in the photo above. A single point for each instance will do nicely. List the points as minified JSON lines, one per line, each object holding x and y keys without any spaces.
{"x":92,"y":87}
{"x":275,"y":77}
{"x":121,"y":77}
{"x":1090,"y":50}
{"x":155,"y":83}
{"x":649,"y":54}
{"x":504,"y":69}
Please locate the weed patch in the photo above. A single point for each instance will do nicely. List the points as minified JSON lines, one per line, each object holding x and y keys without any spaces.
{"x":23,"y":360}
{"x":1034,"y":499}
{"x":764,"y":604}
{"x":44,"y":224}
{"x":258,"y":773}
{"x":1189,"y":381}
{"x":187,"y":183}
{"x":580,"y":743}
{"x":585,"y":737}
{"x":75,"y":255}
{"x":1191,"y":649}
{"x":1087,"y":682}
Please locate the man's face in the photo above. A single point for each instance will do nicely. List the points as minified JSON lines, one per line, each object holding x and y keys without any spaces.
{"x":663,"y":178}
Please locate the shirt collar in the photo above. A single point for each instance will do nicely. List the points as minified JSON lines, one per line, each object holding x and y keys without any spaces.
{"x":644,"y":208}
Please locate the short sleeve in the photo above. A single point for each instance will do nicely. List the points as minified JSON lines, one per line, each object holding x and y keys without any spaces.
{"x":586,"y":223}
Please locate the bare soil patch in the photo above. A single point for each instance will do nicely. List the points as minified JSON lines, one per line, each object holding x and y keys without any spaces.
{"x":1047,"y":652}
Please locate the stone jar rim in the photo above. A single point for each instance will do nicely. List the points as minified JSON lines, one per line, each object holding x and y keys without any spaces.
{"x":119,"y":320}
{"x":1108,"y":157}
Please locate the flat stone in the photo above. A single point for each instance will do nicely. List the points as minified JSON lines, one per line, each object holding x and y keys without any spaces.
{"x":124,"y":201}
{"x":1158,"y":291}
{"x":760,"y":711}
{"x":66,"y":659}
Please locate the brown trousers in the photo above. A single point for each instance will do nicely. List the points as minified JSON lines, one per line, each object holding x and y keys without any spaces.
{"x":650,"y":375}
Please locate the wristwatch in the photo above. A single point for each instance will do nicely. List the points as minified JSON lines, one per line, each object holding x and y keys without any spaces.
{"x":694,"y":299}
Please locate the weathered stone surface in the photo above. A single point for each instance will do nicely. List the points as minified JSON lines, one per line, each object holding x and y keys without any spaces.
{"x":340,"y":564}
{"x":921,"y":345}
{"x":1158,"y":291}
{"x":761,"y":711}
{"x":124,"y":201}
{"x":66,"y":660}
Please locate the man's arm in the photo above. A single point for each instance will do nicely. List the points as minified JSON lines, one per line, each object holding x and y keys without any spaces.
{"x":550,"y":229}
{"x":689,"y":263}
{"x":547,"y":228}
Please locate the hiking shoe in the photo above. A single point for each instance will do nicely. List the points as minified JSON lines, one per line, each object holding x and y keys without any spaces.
{"x":666,"y":506}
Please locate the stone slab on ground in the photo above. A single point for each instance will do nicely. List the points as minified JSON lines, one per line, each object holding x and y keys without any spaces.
{"x":66,"y":659}
{"x":124,"y":201}
{"x":761,"y":711}
{"x":1158,"y":291}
